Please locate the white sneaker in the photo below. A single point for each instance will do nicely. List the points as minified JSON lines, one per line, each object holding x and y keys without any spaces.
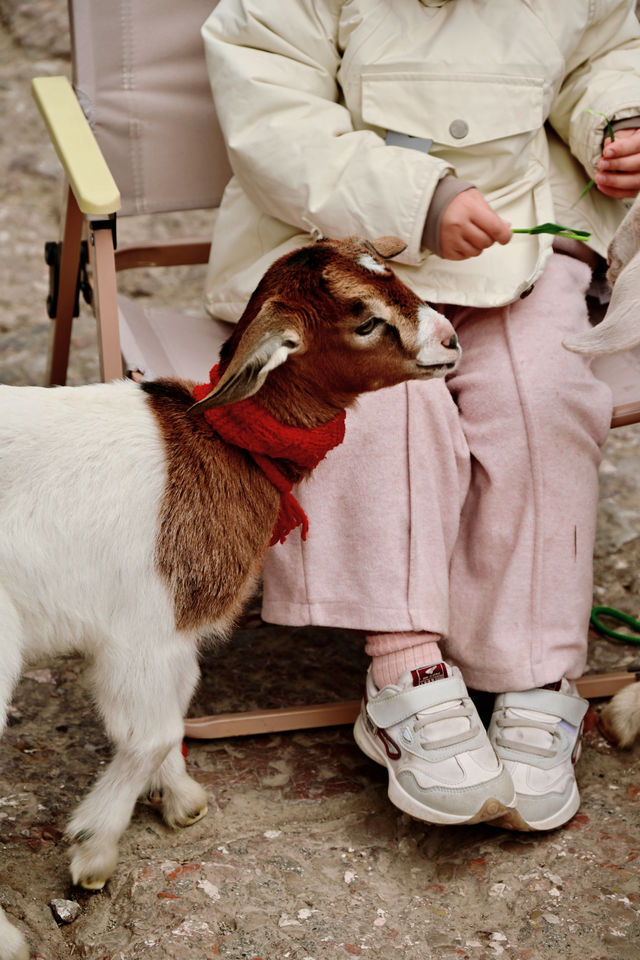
{"x":426,"y":731}
{"x":537,"y":735}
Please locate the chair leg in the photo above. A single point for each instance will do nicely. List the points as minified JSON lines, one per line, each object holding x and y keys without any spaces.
{"x":105,"y":302}
{"x":273,"y":720}
{"x":60,"y":339}
{"x":594,"y":686}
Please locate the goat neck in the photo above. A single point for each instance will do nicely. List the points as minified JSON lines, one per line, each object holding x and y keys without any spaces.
{"x":292,"y":400}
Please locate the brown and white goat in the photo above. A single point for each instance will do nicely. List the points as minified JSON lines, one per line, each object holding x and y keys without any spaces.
{"x":130,"y":530}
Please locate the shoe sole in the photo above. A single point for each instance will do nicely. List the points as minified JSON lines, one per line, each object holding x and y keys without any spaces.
{"x":512,"y":820}
{"x":399,"y":797}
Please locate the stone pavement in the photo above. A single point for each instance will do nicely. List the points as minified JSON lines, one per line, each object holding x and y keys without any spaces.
{"x":301,"y":855}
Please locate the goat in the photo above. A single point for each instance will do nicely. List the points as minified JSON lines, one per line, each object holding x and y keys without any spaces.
{"x":131,"y":530}
{"x":620,"y":330}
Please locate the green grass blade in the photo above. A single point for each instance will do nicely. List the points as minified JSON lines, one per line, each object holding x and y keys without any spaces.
{"x":557,"y":230}
{"x":584,"y":193}
{"x":597,"y":113}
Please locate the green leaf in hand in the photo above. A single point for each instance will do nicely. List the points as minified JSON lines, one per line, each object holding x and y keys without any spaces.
{"x":556,"y":230}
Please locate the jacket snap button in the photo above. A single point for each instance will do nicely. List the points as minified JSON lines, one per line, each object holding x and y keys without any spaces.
{"x":458,"y":129}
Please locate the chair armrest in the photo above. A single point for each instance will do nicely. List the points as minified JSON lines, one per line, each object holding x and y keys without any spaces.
{"x":86,"y":169}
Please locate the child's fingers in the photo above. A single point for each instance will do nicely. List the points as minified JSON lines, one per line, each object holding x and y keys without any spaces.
{"x":618,"y":185}
{"x":618,"y":173}
{"x":626,"y":142}
{"x":468,"y":241}
{"x":622,"y":164}
{"x":494,"y":227}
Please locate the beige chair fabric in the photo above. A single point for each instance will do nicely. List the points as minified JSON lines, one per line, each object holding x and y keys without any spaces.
{"x":164,"y":343}
{"x":140,"y":75}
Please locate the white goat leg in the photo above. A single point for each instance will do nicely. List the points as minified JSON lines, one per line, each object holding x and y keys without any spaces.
{"x":183,"y":800}
{"x":13,"y":945}
{"x":103,"y":815}
{"x":621,"y":716}
{"x":144,"y":721}
{"x":10,"y":653}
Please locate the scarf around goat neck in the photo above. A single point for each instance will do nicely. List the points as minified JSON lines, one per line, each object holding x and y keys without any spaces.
{"x":248,"y":425}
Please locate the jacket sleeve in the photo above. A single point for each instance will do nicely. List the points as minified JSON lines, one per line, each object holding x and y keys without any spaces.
{"x":291,"y":142}
{"x":602,"y":80}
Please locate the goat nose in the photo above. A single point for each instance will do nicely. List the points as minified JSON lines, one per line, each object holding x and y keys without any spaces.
{"x":452,"y":342}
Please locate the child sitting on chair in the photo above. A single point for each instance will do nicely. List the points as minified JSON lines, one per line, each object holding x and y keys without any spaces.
{"x":456,"y":524}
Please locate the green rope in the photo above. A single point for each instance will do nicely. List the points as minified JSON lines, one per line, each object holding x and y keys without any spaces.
{"x":619,"y":617}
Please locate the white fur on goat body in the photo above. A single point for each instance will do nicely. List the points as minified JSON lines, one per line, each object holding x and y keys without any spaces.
{"x":84,"y":474}
{"x":85,"y":491}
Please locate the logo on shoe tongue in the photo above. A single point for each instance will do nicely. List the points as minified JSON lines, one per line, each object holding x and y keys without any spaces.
{"x":436,"y":671}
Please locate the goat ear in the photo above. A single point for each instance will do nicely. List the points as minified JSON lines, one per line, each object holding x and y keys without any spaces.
{"x":387,"y":247}
{"x":249,"y":367}
{"x":625,"y":243}
{"x":620,"y":329}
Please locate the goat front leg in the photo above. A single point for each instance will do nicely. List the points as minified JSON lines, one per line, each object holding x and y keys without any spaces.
{"x":142,"y":695}
{"x":11,"y":644}
{"x":13,"y":945}
{"x":104,"y":814}
{"x":183,"y":800}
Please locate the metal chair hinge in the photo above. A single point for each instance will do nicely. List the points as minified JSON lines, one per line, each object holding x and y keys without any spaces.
{"x":52,"y":257}
{"x":106,"y":223}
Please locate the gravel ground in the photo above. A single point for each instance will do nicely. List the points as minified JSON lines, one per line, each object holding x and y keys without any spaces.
{"x":301,"y":856}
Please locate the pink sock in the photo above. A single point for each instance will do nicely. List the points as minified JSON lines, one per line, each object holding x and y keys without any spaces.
{"x":393,"y":653}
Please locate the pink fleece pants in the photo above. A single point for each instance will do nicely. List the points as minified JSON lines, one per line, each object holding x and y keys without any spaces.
{"x":465,"y":508}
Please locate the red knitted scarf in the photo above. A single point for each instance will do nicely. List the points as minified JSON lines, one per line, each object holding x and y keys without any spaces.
{"x":248,"y":425}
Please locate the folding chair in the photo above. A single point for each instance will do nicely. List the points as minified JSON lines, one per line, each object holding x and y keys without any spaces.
{"x":137,"y":134}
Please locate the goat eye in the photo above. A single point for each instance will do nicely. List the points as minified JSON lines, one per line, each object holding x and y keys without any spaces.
{"x":364,"y":329}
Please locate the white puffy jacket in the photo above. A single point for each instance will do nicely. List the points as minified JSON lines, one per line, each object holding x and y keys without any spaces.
{"x":308,"y":90}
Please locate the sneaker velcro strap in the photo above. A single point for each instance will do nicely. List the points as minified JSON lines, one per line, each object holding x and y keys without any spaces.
{"x":385,"y":711}
{"x":567,"y":707}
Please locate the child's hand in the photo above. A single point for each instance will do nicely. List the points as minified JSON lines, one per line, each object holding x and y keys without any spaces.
{"x":469,"y":226}
{"x":618,"y":173}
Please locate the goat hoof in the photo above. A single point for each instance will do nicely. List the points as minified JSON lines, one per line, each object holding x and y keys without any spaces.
{"x":176,"y":819}
{"x":181,"y":808}
{"x":93,"y":883}
{"x":90,"y":869}
{"x":193,"y":817}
